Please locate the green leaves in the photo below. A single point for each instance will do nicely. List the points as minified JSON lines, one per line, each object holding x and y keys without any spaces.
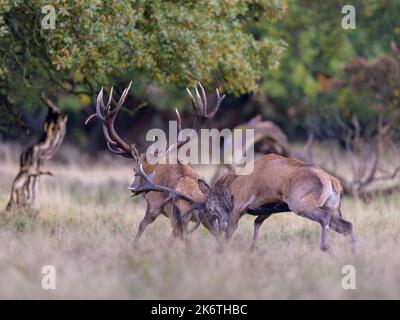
{"x":171,"y":42}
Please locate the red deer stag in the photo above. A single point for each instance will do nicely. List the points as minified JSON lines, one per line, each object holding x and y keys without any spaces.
{"x":279,"y":184}
{"x":175,"y":191}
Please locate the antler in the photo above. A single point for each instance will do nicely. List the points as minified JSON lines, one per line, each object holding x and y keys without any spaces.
{"x":172,"y":195}
{"x":200,"y":108}
{"x":200,"y":112}
{"x":107,"y":116}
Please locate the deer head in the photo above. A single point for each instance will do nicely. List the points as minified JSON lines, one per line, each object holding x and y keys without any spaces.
{"x":219,"y":203}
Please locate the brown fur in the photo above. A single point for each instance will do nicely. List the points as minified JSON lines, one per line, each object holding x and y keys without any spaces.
{"x":307,"y":190}
{"x":169,"y":177}
{"x":183,"y":178}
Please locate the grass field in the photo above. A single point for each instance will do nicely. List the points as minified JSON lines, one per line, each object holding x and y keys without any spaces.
{"x":88,"y":220}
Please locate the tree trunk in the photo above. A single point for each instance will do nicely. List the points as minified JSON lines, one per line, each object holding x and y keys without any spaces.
{"x":24,"y":192}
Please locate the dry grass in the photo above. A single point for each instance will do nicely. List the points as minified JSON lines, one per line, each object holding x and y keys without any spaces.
{"x":88,"y":220}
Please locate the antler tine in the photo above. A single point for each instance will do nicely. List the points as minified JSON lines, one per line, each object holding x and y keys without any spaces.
{"x":200,"y":104}
{"x":110,"y":96}
{"x":179,"y":144}
{"x":190,"y":94}
{"x":178,"y":120}
{"x":90,"y":118}
{"x":194,"y":107}
{"x":217,"y":104}
{"x":98,"y":113}
{"x":204,"y":98}
{"x":122,"y":99}
{"x":100,"y":102}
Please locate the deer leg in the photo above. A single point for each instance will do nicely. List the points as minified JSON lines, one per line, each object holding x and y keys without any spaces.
{"x":325,"y":222}
{"x":345,"y":228}
{"x":324,"y":219}
{"x":177,"y":222}
{"x":257,"y":224}
{"x":148,"y":219}
{"x":185,"y":219}
{"x":177,"y":233}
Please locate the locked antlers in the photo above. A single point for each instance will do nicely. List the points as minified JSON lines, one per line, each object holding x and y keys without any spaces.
{"x":149,"y":185}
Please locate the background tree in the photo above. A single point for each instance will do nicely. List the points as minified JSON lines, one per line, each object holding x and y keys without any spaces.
{"x":299,"y":91}
{"x":164,"y":46}
{"x":107,"y":42}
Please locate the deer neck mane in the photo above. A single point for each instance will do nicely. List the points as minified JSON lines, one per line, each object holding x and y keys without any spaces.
{"x":221,"y":189}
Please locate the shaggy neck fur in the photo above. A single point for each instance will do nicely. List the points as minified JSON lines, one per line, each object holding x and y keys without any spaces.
{"x":221,"y":190}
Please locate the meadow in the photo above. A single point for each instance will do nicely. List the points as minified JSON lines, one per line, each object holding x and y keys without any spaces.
{"x":87,"y":221}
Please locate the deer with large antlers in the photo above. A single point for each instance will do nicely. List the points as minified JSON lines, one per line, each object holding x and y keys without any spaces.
{"x":171,"y":188}
{"x":279,"y":184}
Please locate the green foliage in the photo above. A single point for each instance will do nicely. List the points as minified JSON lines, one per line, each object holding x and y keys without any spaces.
{"x":371,"y":90}
{"x":100,"y":42}
{"x":318,"y":50}
{"x":164,"y":46}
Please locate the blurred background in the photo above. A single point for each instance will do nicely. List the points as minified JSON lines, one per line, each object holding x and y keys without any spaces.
{"x":290,"y":61}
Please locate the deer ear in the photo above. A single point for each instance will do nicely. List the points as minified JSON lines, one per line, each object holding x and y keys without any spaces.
{"x":204,"y":187}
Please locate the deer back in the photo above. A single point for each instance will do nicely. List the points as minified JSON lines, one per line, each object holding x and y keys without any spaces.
{"x":277,"y":178}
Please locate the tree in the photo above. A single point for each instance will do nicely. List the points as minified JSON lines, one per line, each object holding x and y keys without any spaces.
{"x":100,"y":42}
{"x":374,"y":88}
{"x":318,"y":49}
